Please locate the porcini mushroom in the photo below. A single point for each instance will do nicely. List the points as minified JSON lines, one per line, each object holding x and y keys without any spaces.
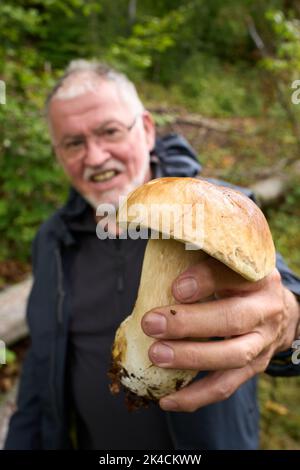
{"x":228,"y":226}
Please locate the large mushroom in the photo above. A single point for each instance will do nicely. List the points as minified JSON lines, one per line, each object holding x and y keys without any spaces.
{"x":182,"y":213}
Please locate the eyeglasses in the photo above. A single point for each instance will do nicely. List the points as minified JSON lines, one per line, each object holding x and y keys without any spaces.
{"x":73,"y":148}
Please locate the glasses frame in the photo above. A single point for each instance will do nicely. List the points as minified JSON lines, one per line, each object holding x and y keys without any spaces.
{"x":85,"y":142}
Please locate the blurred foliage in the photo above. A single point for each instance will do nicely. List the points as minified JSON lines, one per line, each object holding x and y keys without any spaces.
{"x":10,"y":356}
{"x":31,"y":183}
{"x":200,"y":88}
{"x":194,"y":54}
{"x":285,"y":225}
{"x":286,"y":47}
{"x":280,"y":412}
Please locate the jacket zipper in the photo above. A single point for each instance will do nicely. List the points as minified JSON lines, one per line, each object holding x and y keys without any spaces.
{"x":59,"y":318}
{"x":60,"y":288}
{"x":120,"y":280}
{"x":120,"y":268}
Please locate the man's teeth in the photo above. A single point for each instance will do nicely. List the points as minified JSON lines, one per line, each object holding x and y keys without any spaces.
{"x":105,"y":175}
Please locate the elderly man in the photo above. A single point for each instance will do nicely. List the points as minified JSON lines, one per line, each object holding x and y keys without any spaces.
{"x":105,"y":141}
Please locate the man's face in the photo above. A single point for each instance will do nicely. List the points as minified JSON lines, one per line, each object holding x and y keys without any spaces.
{"x":100,"y":168}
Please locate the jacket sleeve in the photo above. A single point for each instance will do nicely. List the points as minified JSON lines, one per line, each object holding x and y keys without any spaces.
{"x":25,"y":424}
{"x":282,"y":363}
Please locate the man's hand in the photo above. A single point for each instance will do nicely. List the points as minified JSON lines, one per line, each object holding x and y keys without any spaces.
{"x":256,"y":320}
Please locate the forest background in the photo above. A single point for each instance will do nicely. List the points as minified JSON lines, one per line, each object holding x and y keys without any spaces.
{"x":220,"y":72}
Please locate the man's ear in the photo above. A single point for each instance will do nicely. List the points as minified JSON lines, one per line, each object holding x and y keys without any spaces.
{"x":149,"y":127}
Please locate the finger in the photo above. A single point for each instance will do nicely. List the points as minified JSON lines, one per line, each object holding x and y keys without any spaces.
{"x":212,"y":355}
{"x":216,"y":386}
{"x":231,"y":316}
{"x":207,"y":278}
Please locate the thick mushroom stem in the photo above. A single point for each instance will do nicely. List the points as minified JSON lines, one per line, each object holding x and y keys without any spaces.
{"x":164,"y":260}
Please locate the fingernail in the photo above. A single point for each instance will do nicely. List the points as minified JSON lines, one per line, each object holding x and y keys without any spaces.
{"x":186,"y":287}
{"x":155,"y":323}
{"x":162,"y":354}
{"x":168,"y":405}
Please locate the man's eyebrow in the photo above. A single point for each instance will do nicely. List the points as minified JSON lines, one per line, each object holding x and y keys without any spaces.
{"x":105,"y":123}
{"x":71,"y":136}
{"x":82,"y":136}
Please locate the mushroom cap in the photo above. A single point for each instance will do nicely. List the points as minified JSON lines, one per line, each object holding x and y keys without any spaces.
{"x":221,"y":221}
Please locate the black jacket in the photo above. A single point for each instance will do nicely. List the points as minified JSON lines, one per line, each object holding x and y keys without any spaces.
{"x":41,"y":420}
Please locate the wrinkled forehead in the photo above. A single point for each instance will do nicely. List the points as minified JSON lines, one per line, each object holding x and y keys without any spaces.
{"x":84,"y":96}
{"x":82,"y":83}
{"x":78,"y":84}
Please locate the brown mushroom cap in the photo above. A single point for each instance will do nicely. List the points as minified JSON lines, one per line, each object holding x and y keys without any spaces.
{"x":234,"y":229}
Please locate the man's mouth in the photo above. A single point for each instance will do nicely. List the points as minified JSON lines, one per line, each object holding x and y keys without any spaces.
{"x":103,"y":176}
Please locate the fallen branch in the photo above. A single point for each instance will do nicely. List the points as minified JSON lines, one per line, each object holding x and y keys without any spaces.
{"x":271,"y":185}
{"x":12,"y":312}
{"x":7,"y":407}
{"x":194,"y":120}
{"x":271,"y":190}
{"x":206,"y":123}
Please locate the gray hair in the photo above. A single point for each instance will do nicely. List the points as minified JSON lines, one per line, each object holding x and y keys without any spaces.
{"x":95,"y":69}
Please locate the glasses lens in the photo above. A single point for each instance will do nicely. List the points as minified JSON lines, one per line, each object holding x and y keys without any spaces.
{"x":73,"y":149}
{"x":113,"y":133}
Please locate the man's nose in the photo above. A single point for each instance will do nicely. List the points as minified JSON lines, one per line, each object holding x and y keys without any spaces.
{"x":96,"y":153}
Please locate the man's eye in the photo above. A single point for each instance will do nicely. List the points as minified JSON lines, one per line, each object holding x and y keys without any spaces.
{"x":111,"y":131}
{"x":73,"y":145}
